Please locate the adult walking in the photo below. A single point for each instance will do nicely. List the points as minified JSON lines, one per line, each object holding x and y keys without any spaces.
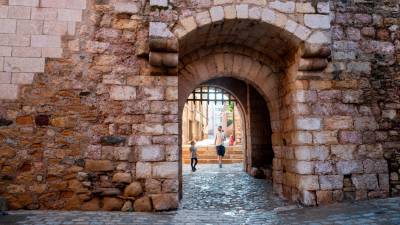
{"x":219,"y":143}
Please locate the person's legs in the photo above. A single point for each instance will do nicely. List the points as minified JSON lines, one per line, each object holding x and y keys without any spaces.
{"x":220,"y":161}
{"x":191,"y":163}
{"x":195,"y":163}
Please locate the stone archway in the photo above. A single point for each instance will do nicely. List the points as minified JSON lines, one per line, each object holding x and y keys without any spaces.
{"x":262,"y":47}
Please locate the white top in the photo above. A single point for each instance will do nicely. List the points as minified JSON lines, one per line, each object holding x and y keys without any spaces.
{"x":219,"y":138}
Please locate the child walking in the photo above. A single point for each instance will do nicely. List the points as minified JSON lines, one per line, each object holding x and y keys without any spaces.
{"x":193,"y":151}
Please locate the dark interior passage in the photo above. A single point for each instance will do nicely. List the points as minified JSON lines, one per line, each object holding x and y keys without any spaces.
{"x":260,"y":131}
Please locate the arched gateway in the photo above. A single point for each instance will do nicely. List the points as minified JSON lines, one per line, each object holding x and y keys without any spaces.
{"x":273,"y":54}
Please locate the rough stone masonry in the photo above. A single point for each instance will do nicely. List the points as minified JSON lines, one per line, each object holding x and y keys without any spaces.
{"x":90,"y":100}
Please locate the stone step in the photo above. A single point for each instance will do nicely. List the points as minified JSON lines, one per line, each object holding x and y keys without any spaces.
{"x":207,"y":154}
{"x":214,"y":161}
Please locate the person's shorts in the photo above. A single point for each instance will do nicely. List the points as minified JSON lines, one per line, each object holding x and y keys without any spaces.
{"x":220,"y":150}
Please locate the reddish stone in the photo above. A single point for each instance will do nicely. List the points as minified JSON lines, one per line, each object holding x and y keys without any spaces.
{"x":24,"y":120}
{"x":162,"y":202}
{"x":99,"y":165}
{"x":73,"y":203}
{"x":112,"y":204}
{"x":7,"y":152}
{"x":383,"y":35}
{"x":324,"y":197}
{"x":134,"y":189}
{"x":92,"y":205}
{"x":142,"y":204}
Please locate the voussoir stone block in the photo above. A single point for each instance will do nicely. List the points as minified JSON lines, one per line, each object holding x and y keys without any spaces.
{"x":316,"y":21}
{"x":285,"y":7}
{"x":217,"y":13}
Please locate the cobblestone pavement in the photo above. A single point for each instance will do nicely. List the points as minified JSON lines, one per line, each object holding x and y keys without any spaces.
{"x":225,"y":196}
{"x":226,"y":188}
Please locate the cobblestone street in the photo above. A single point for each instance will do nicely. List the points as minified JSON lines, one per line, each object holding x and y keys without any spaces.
{"x":228,"y":188}
{"x":226,"y":196}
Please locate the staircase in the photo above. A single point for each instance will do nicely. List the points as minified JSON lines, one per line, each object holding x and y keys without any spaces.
{"x":208,"y":154}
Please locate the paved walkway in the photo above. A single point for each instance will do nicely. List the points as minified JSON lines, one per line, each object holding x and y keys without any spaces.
{"x":226,"y":196}
{"x":226,"y":188}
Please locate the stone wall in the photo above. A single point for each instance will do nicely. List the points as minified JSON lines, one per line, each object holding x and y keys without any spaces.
{"x":91,"y":130}
{"x":366,"y":49}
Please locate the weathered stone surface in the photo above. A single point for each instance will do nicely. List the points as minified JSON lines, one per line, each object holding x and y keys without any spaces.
{"x":142,"y":204}
{"x":92,"y":205}
{"x":143,"y":170}
{"x":165,"y":170}
{"x":122,"y":178}
{"x":324,"y":168}
{"x":134,"y":189}
{"x":307,"y":198}
{"x":316,"y":21}
{"x":151,"y":153}
{"x":350,"y":137}
{"x":7,"y":152}
{"x":365,"y":181}
{"x":330,"y":182}
{"x":325,"y":137}
{"x":153,"y":186}
{"x":162,"y":202}
{"x":122,"y":93}
{"x":349,"y":167}
{"x":112,"y":204}
{"x":107,"y":191}
{"x":345,"y":152}
{"x":324,"y":197}
{"x":308,"y":123}
{"x":311,"y":152}
{"x":338,"y":122}
{"x":375,"y":166}
{"x":139,"y":140}
{"x":170,"y":185}
{"x":127,"y":207}
{"x":99,"y":165}
{"x":308,"y":182}
{"x":113,"y":140}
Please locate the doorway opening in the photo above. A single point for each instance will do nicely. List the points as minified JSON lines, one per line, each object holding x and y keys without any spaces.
{"x":242,"y":112}
{"x":207,"y":108}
